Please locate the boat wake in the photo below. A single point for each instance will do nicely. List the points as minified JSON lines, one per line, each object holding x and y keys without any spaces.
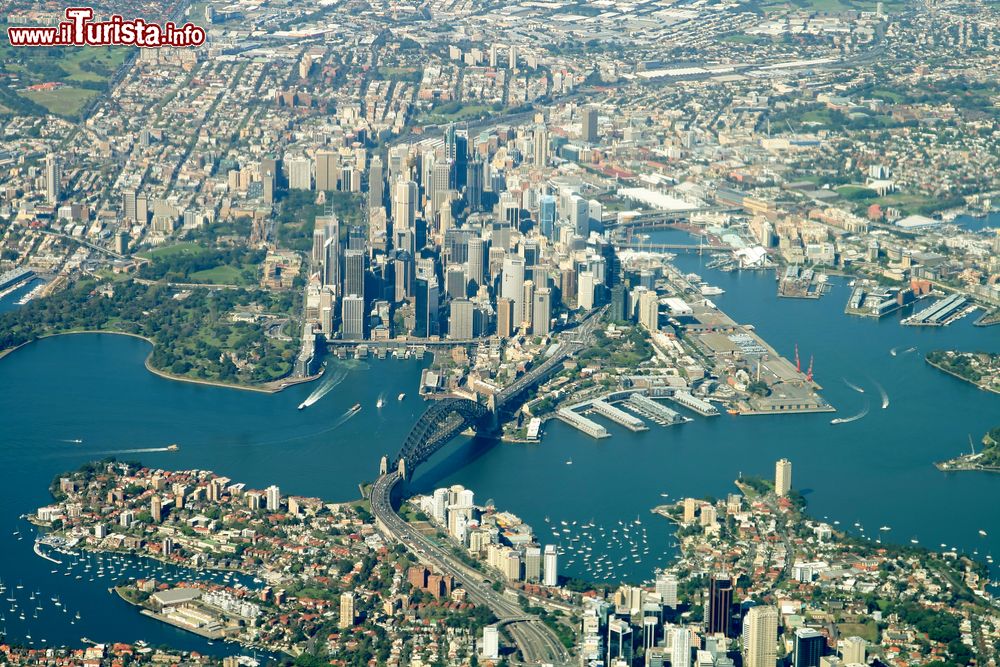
{"x":909,"y":349}
{"x":138,"y":450}
{"x":347,"y":415}
{"x":853,"y":418}
{"x":73,"y":441}
{"x":325,"y":387}
{"x":853,"y":386}
{"x":885,"y":396}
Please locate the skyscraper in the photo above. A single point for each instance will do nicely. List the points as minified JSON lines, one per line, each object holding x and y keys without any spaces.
{"x":551,"y":575}
{"x":426,"y":303}
{"x":579,"y":215}
{"x":376,"y":190}
{"x":588,"y":125}
{"x":505,"y":317}
{"x":619,"y":641}
{"x":477,"y":259}
{"x":273,"y":494}
{"x":491,"y":642}
{"x":347,"y":610}
{"x":809,"y":648}
{"x":532,"y":563}
{"x":547,"y":216}
{"x":512,"y":286}
{"x":460,"y":320}
{"x":760,"y":636}
{"x":680,"y":654}
{"x":300,"y":173}
{"x":541,"y":316}
{"x":666,"y":588}
{"x":649,"y":310}
{"x":353,"y":317}
{"x":53,"y":178}
{"x":540,"y":145}
{"x":853,"y":650}
{"x":354,"y":273}
{"x":782,"y":477}
{"x":720,"y":602}
{"x":326,"y":170}
{"x":404,"y":205}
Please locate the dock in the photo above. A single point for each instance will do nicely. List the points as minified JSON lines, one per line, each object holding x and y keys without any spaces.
{"x":941,"y":313}
{"x":581,"y":423}
{"x":802,"y":283}
{"x":621,"y":417}
{"x":659,"y":414}
{"x":703,"y":408}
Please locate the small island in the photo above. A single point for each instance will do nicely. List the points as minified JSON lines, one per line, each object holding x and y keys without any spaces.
{"x":986,"y":459}
{"x":979,"y":368}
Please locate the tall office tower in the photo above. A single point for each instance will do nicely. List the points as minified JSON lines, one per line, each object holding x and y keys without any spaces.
{"x":273,"y":495}
{"x":376,"y":184}
{"x":505,"y":317}
{"x":404,"y":205}
{"x":720,"y":602}
{"x":491,"y":642}
{"x":680,"y":652}
{"x":352,"y":325}
{"x":531,"y":254}
{"x":585,"y":284}
{"x":809,"y":648}
{"x":853,"y":650}
{"x":579,"y":216}
{"x":331,"y":263}
{"x":512,"y":57}
{"x":477,"y":259}
{"x":455,"y":284}
{"x":357,"y":238}
{"x":318,"y":246}
{"x":456,"y":246}
{"x":619,"y":300}
{"x":129,"y":204}
{"x":619,"y":641}
{"x":327,"y":170}
{"x":547,"y":216}
{"x":666,"y":588}
{"x":440,"y":184}
{"x":527,"y":303}
{"x":53,"y":178}
{"x":346,"y":610}
{"x":588,"y":125}
{"x":346,"y":181}
{"x":475,"y":177}
{"x":142,"y":209}
{"x":402,"y":275}
{"x":268,"y":179}
{"x":354,"y":273}
{"x":551,"y":573}
{"x":300,"y":174}
{"x":426,"y":303}
{"x":533,"y":564}
{"x":460,"y":320}
{"x":512,"y":285}
{"x":541,"y":315}
{"x":540,"y":145}
{"x":649,"y":310}
{"x":760,"y":637}
{"x":783,"y":477}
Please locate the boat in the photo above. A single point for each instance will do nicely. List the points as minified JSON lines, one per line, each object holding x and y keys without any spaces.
{"x":711,"y":290}
{"x":569,"y":462}
{"x":380,"y":402}
{"x":173,"y":447}
{"x":982,"y":533}
{"x":356,"y":407}
{"x":885,"y":528}
{"x":303,"y":405}
{"x":401,"y":397}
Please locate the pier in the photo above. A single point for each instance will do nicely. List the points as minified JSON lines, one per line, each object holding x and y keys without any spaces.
{"x":654,"y":411}
{"x":604,"y":408}
{"x":703,"y":408}
{"x":942,"y":313}
{"x":581,"y":423}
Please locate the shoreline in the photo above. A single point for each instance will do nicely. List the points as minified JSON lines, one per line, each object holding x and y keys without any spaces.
{"x":272,"y":387}
{"x":959,"y":377}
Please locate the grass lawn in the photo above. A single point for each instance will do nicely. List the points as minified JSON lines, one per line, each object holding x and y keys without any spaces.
{"x":63,"y":101}
{"x":186,"y":248}
{"x":109,"y":59}
{"x":220,"y":275}
{"x":867,"y":631}
{"x":466,"y":112}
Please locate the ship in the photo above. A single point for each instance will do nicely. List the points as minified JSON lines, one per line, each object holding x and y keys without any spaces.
{"x":711,"y":290}
{"x":355,"y":407}
{"x":173,"y":447}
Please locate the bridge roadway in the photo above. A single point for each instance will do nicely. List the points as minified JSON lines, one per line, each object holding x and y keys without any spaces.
{"x":441,"y":422}
{"x":536,"y":642}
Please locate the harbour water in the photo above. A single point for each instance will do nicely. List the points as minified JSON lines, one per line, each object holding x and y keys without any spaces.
{"x":875,"y":471}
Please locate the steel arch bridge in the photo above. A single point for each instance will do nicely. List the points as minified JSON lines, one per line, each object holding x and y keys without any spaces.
{"x":441,"y":422}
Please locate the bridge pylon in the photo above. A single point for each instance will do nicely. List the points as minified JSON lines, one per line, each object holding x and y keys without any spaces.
{"x":401,"y":468}
{"x":383,"y":466}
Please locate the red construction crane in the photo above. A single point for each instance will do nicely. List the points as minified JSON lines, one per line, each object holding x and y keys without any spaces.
{"x":798,"y":366}
{"x":809,"y":374}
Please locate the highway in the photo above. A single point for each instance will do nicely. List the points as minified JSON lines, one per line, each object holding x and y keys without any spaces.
{"x":536,"y":642}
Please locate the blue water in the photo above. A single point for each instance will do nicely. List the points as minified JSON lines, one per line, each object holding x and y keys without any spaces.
{"x":876,"y":471}
{"x":979,"y":223}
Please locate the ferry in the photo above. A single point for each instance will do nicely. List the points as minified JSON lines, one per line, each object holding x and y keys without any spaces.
{"x":401,"y":397}
{"x":356,"y":407}
{"x":710,"y":290}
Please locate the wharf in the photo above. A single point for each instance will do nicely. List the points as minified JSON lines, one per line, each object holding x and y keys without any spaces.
{"x":621,"y":417}
{"x":941,"y":313}
{"x":802,"y":283}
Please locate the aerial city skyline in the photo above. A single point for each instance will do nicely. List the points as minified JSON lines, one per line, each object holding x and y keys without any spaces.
{"x":597,"y":334}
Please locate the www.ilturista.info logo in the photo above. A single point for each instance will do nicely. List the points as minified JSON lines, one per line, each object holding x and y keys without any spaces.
{"x":80,"y":30}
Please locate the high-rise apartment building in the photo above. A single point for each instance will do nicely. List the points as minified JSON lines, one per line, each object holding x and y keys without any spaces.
{"x":782,"y":477}
{"x":760,"y":637}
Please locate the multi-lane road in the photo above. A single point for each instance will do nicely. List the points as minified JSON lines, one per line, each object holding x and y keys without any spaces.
{"x":536,"y":642}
